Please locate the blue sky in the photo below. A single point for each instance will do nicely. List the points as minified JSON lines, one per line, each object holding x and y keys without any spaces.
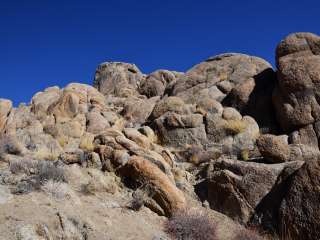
{"x":45,"y":43}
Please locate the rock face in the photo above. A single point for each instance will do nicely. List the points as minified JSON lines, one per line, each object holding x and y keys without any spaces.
{"x":229,"y":136}
{"x":156,"y":83}
{"x":237,"y":80}
{"x":119,"y":79}
{"x":236,"y":188}
{"x":296,"y":95}
{"x":300,"y":211}
{"x":274,"y":148}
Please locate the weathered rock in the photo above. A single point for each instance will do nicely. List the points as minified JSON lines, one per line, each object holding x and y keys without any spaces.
{"x":41,"y":101}
{"x":166,"y":194}
{"x":297,"y":93}
{"x":208,"y":105}
{"x":96,"y":122}
{"x":170,"y":104}
{"x":156,"y":83}
{"x":230,"y":113}
{"x":137,"y":111}
{"x":236,"y":135}
{"x":302,"y":152}
{"x":237,"y":80}
{"x":136,"y":136}
{"x":235,"y":188}
{"x":173,"y":131}
{"x":116,"y":78}
{"x":300,"y":212}
{"x":149,"y":133}
{"x":305,"y":135}
{"x":274,"y":148}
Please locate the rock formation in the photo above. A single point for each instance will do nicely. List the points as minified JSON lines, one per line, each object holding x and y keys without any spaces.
{"x":231,"y":137}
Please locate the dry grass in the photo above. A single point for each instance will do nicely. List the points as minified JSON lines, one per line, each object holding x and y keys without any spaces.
{"x":9,"y":144}
{"x":235,"y":126}
{"x":140,"y":197}
{"x":63,"y":141}
{"x":57,"y":190}
{"x":190,"y":225}
{"x":45,"y":154}
{"x":23,"y":166}
{"x":86,"y":142}
{"x":50,"y":171}
{"x":245,"y":154}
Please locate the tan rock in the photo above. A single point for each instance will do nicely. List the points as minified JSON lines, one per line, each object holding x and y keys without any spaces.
{"x":170,"y":104}
{"x":134,"y":135}
{"x":5,"y":108}
{"x":166,"y":194}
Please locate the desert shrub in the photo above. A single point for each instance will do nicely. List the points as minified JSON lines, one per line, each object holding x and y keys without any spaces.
{"x":57,"y":190}
{"x":9,"y":144}
{"x":86,"y":142}
{"x":140,"y":197}
{"x":26,"y":186}
{"x":138,"y":200}
{"x":190,"y":225}
{"x":235,"y":126}
{"x":245,"y":154}
{"x":46,"y":154}
{"x":50,"y":171}
{"x":22,"y":166}
{"x":62,"y":140}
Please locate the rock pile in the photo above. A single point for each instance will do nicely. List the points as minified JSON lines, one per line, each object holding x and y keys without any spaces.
{"x":230,"y":132}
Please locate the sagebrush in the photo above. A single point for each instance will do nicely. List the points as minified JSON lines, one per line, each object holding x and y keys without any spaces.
{"x":190,"y":225}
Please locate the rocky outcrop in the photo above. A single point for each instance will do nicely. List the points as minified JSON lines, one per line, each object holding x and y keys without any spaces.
{"x":156,"y":83}
{"x":236,"y":188}
{"x":237,"y":80}
{"x":297,"y":93}
{"x":117,"y":78}
{"x":276,"y":149}
{"x":166,"y":140}
{"x":300,"y":211}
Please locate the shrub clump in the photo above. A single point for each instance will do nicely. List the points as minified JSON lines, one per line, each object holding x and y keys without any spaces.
{"x":190,"y":225}
{"x":58,"y":190}
{"x":235,"y":126}
{"x":38,"y":174}
{"x":50,"y":171}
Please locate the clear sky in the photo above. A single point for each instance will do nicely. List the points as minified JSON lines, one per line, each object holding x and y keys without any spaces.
{"x":45,"y":42}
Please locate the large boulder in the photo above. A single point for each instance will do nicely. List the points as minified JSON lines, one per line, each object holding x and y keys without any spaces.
{"x":236,"y":133}
{"x":274,"y":148}
{"x":299,"y":214}
{"x":236,"y":188}
{"x":297,"y":93}
{"x":155,"y":83}
{"x":117,"y":78}
{"x":138,"y":110}
{"x":236,"y":80}
{"x":165,"y":193}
